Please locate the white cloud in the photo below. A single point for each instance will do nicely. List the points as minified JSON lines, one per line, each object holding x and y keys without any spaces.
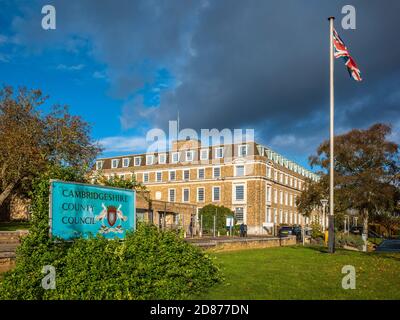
{"x":99,"y":75}
{"x":3,"y":39}
{"x":70,"y":68}
{"x":123,"y":144}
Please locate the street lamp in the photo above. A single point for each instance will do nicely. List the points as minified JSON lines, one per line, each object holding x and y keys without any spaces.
{"x":324,"y":202}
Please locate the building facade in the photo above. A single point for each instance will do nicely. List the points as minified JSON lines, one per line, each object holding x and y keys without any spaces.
{"x":259,"y":185}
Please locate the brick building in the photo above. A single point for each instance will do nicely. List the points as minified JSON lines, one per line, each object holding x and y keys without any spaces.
{"x":258,"y":184}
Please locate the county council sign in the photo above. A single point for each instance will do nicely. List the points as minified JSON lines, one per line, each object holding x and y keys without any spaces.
{"x":81,"y":210}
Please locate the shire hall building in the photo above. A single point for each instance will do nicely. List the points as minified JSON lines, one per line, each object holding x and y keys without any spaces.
{"x":259,"y":185}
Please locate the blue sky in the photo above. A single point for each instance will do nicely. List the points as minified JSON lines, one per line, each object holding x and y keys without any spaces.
{"x":128,"y":66}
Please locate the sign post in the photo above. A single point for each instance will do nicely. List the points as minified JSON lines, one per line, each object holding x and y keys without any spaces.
{"x":80,"y":210}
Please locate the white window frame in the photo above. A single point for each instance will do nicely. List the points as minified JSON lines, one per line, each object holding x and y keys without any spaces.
{"x":216,"y":150}
{"x":149,"y":156}
{"x":275,"y":215}
{"x":135,"y":161}
{"x":148,"y":177}
{"x":269,"y":193}
{"x":99,"y":167}
{"x":235,"y":200}
{"x":281,"y":197}
{"x":183,"y":195}
{"x":202,"y":151}
{"x":204,"y":194}
{"x":157,"y":173}
{"x":244,"y":170}
{"x":173,"y":154}
{"x":219,"y":193}
{"x":191,"y":158}
{"x":123,"y":162}
{"x":198,"y":173}
{"x":114,"y":161}
{"x":240,"y":148}
{"x":169,"y":175}
{"x":280,"y":216}
{"x":276,"y":196}
{"x":183,"y":175}
{"x":169,"y":194}
{"x":162,"y":156}
{"x":286,"y":199}
{"x":244,"y":213}
{"x":213,"y":171}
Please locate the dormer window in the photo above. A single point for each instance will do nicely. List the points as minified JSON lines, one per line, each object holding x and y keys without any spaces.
{"x":175,"y":157}
{"x":149,"y":159}
{"x":162,"y":158}
{"x":242,"y":152}
{"x":114,"y":163}
{"x":219,"y":153}
{"x":99,"y":165}
{"x":204,"y":154}
{"x":125,"y":162}
{"x":137,"y":161}
{"x":189,"y":155}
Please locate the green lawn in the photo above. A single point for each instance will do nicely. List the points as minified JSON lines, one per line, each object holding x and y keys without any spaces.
{"x":12,"y":226}
{"x":304,"y":273}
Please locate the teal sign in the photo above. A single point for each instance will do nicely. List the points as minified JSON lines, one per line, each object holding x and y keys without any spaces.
{"x":81,"y":210}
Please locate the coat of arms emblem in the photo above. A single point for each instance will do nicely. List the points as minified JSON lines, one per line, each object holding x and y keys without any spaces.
{"x":111,"y":215}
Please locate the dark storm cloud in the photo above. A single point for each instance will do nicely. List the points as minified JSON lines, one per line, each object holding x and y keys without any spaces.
{"x":243,"y":64}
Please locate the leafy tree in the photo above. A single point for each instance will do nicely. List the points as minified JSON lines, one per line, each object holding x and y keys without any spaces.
{"x":209,"y":211}
{"x":32,"y":140}
{"x":366,"y":173}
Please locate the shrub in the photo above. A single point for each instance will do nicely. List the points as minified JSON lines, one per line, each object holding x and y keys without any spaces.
{"x":342,"y":239}
{"x":148,"y":264}
{"x":316,"y":231}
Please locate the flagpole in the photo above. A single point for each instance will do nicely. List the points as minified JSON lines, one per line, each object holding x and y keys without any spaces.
{"x":331,"y":234}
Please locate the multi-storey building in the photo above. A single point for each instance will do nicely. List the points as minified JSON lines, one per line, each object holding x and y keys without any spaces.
{"x":258,"y":184}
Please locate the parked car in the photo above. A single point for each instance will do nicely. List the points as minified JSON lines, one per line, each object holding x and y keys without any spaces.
{"x":356,"y":230}
{"x":285,"y":231}
{"x":389,"y":246}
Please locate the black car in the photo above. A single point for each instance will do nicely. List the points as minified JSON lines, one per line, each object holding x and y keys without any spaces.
{"x":389,"y":246}
{"x":286,"y":231}
{"x":356,"y":230}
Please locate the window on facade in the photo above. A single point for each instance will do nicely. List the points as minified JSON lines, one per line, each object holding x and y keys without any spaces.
{"x":286,"y":179}
{"x":171,"y":195}
{"x":172,"y":175}
{"x":239,"y":192}
{"x":276,"y":196}
{"x":125,"y":162}
{"x":200,"y":173}
{"x":189,"y":155}
{"x":217,"y":172}
{"x":204,"y":154}
{"x":269,"y":193}
{"x":200,"y":194}
{"x":275,"y":215}
{"x":286,"y":217}
{"x":162,"y":158}
{"x":276,"y":175}
{"x":280,"y":216}
{"x":114,"y":163}
{"x":280,"y":197}
{"x":149,"y":159}
{"x":175,"y":157}
{"x":281,"y":178}
{"x":137,"y":161}
{"x":146,"y":177}
{"x":291,"y":200}
{"x":286,"y":199}
{"x":185,"y":195}
{"x":239,"y":171}
{"x":269,"y":172}
{"x":186,"y":174}
{"x":159,"y":176}
{"x":99,"y":165}
{"x":216,"y":193}
{"x":268,"y":215}
{"x":239,"y":214}
{"x":295,"y":183}
{"x":219,"y":153}
{"x":242,"y":150}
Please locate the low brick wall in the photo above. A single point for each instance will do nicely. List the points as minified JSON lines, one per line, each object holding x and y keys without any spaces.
{"x":252,"y":243}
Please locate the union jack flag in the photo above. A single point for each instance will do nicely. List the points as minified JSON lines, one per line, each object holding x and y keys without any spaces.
{"x":341,"y":51}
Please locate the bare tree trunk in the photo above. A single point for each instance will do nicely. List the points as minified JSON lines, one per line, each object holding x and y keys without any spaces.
{"x":365,"y":230}
{"x":6,"y":192}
